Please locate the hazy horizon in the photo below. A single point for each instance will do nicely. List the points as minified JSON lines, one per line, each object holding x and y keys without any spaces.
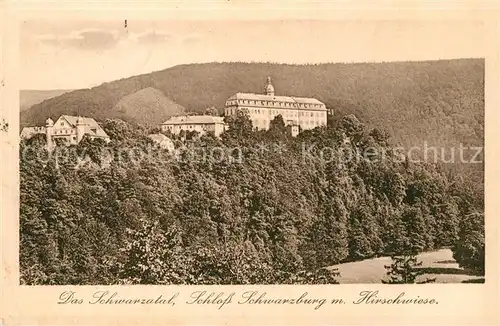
{"x":253,"y":62}
{"x":85,"y":54}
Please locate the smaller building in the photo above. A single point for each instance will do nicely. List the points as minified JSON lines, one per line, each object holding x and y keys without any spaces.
{"x":163,"y":141}
{"x":28,"y":132}
{"x":69,"y":129}
{"x":199,"y":123}
{"x":72,"y":129}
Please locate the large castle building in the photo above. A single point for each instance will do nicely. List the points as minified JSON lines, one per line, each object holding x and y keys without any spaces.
{"x":308,"y":113}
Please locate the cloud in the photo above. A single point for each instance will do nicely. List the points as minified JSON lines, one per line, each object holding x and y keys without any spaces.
{"x":191,"y":38}
{"x":92,"y":39}
{"x":153,"y":37}
{"x":159,"y":37}
{"x":87,"y":39}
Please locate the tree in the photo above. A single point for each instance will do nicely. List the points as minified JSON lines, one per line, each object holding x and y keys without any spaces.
{"x":119,"y":130}
{"x":446,"y":216}
{"x":94,"y":148}
{"x":191,"y":134}
{"x":328,"y":242}
{"x":468,"y":250}
{"x":364,"y":239}
{"x":239,"y":126}
{"x":417,"y":235}
{"x":404,"y":270}
{"x":212,"y":111}
{"x":153,"y":256}
{"x":380,"y":136}
{"x":232,"y":262}
{"x":352,"y":127}
{"x":277,"y":126}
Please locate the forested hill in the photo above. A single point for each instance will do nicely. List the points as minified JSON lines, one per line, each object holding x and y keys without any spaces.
{"x":441,"y":102}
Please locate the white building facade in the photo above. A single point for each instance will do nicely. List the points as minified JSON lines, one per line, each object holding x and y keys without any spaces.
{"x":69,"y":129}
{"x":308,"y":113}
{"x":199,"y":123}
{"x":163,"y":141}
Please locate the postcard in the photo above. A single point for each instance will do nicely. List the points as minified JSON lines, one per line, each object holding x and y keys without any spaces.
{"x":249,"y":163}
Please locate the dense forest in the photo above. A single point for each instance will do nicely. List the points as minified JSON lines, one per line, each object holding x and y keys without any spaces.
{"x":260,"y":208}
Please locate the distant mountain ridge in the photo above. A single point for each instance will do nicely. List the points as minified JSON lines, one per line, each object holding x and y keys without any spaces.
{"x":441,"y":102}
{"x":29,"y":97}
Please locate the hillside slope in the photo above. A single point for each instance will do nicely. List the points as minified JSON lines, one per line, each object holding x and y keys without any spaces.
{"x":28,"y":97}
{"x":440,"y":102}
{"x":148,"y":106}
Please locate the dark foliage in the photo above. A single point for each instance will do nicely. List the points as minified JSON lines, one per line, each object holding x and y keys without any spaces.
{"x":270,"y":209}
{"x":468,"y":250}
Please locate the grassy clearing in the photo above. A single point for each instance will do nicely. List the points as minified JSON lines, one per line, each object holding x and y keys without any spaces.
{"x":437,"y":264}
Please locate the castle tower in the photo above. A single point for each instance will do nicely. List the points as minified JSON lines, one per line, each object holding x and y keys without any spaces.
{"x":269,"y":89}
{"x":49,"y":124}
{"x":80,"y":129}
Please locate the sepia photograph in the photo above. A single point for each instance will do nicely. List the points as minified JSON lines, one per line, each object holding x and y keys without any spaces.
{"x":247,"y":152}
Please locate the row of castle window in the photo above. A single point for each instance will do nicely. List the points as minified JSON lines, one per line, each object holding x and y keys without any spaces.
{"x":277,"y":112}
{"x":71,"y":131}
{"x":302,"y":123}
{"x":205,"y":126}
{"x":297,"y":114}
{"x":66,"y":138}
{"x":64,"y":131}
{"x":275,"y":103}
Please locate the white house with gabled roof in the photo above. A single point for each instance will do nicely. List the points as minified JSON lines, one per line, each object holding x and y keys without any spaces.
{"x":70,"y":129}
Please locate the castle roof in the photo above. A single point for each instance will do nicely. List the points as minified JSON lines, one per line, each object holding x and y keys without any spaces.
{"x":194,"y":119}
{"x":296,"y":101}
{"x":159,"y":138}
{"x":91,"y":126}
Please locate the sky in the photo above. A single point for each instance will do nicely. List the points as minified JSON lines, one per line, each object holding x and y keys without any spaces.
{"x":80,"y":54}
